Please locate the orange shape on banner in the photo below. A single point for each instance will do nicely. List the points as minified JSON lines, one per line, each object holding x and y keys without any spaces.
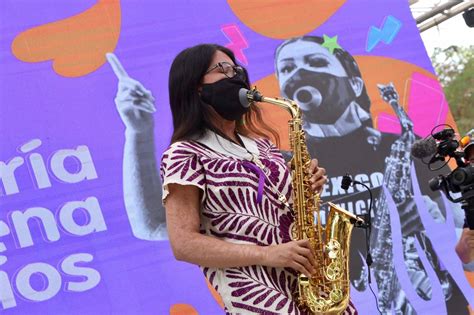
{"x":76,"y":45}
{"x":182,"y":309}
{"x":374,"y":70}
{"x":283,"y":19}
{"x":470,"y":279}
{"x":215,"y":295}
{"x":186,"y":309}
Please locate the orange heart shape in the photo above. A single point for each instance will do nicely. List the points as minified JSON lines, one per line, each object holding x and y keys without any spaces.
{"x":76,"y":45}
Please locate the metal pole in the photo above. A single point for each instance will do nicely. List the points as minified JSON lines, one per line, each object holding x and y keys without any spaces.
{"x":436,"y":10}
{"x":449,"y":14}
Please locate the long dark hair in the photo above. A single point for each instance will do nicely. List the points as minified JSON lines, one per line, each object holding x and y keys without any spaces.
{"x":345,"y":58}
{"x":191,"y":117}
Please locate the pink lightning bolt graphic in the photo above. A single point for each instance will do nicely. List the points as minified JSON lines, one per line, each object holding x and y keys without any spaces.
{"x":237,"y":41}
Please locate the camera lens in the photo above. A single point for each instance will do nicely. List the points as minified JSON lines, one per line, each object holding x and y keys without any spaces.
{"x":447,"y":147}
{"x":458,"y":176}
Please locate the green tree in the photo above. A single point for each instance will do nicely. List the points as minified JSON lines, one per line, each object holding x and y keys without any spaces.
{"x":455,"y":68}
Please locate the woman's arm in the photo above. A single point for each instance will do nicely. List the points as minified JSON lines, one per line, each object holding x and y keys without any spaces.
{"x":141,"y":181}
{"x":465,"y":246}
{"x":182,"y":216}
{"x":142,"y":187}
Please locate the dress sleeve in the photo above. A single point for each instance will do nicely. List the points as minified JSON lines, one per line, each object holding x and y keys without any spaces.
{"x":180,"y":164}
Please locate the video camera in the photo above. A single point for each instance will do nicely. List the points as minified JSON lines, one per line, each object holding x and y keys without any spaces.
{"x":461,"y":179}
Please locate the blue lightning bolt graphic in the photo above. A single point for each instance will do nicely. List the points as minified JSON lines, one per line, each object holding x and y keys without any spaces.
{"x":386,"y":33}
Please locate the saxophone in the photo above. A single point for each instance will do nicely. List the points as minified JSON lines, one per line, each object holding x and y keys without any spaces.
{"x":327,"y":292}
{"x":397,"y":179}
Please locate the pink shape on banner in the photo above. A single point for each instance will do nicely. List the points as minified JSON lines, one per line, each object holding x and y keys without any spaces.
{"x":237,"y":41}
{"x":427,"y":104}
{"x":427,"y":107}
{"x":388,"y":123}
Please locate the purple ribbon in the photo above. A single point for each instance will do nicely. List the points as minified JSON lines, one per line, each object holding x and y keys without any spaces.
{"x":261,"y":178}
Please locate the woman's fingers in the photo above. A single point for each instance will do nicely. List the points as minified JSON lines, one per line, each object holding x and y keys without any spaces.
{"x":145,"y":105}
{"x":313,"y":165}
{"x":305,"y":255}
{"x":126,"y":93}
{"x":319,"y":178}
{"x":318,"y":174}
{"x":305,"y":262}
{"x":140,"y":94}
{"x":295,"y":254}
{"x":117,"y":67}
{"x":126,"y":96}
{"x":308,"y":253}
{"x":301,"y":269}
{"x":132,"y":84}
{"x":319,"y":184}
{"x":125,"y":83}
{"x":306,"y":245}
{"x":133,"y":103}
{"x":134,"y":88}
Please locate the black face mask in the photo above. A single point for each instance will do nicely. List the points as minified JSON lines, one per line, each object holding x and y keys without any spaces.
{"x":223,"y":96}
{"x":323,"y":97}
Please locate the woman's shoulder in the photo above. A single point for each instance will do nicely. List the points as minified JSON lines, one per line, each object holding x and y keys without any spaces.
{"x":265,"y":144}
{"x":184,"y":147}
{"x":268,"y":149}
{"x":263,"y":141}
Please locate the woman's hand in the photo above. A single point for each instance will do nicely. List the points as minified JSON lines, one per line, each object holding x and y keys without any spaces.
{"x":465,"y":246}
{"x":295,"y":254}
{"x":134,"y":102}
{"x":469,"y":239}
{"x":318,"y":178}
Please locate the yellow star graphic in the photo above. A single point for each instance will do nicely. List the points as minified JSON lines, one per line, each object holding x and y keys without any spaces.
{"x":330,"y":43}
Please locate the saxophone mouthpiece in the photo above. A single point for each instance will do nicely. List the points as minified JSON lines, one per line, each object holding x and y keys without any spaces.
{"x":254,"y":95}
{"x":247,"y":97}
{"x":243,"y":99}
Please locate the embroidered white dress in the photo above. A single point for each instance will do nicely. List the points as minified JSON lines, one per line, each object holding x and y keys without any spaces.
{"x":232,"y":210}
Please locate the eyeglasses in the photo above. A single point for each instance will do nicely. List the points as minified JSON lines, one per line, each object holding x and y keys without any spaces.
{"x":227,"y":69}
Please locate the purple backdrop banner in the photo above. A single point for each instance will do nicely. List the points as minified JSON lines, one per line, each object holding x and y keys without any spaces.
{"x":67,"y":241}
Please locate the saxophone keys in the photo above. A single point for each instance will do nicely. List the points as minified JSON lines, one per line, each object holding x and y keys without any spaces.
{"x":334,"y":271}
{"x":332,"y":248}
{"x":295,"y":236}
{"x":332,"y":255}
{"x":336,"y":295}
{"x":319,"y":306}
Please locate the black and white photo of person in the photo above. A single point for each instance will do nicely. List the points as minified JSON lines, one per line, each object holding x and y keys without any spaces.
{"x":326,"y":82}
{"x":141,"y":180}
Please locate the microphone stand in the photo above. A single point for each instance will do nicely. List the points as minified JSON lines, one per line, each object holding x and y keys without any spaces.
{"x":367,"y":225}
